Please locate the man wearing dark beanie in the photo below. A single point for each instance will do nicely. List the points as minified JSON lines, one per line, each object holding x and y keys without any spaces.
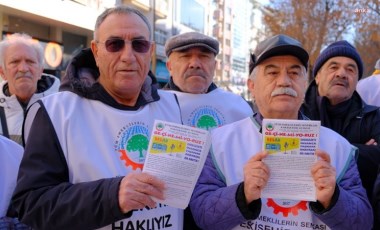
{"x":331,"y":98}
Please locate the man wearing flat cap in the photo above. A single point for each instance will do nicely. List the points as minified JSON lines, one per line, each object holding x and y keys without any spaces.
{"x":332,"y":99}
{"x":228,"y":192}
{"x":191,"y":63}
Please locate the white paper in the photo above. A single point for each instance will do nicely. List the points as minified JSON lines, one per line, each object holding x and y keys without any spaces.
{"x":291,"y":145}
{"x":176,"y":155}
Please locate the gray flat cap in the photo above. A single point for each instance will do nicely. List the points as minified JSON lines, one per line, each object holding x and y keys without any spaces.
{"x":189,"y":40}
{"x":276,"y":46}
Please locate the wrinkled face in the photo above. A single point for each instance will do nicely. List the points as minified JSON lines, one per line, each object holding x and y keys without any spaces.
{"x":278,"y":87}
{"x":337,"y":79}
{"x":192,"y":69}
{"x":22,"y":70}
{"x":122,"y":73}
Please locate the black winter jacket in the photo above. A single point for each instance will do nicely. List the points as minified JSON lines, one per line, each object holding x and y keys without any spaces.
{"x":361,"y":123}
{"x":43,"y":191}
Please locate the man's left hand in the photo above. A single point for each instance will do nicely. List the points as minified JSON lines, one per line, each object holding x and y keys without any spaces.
{"x":324,"y":176}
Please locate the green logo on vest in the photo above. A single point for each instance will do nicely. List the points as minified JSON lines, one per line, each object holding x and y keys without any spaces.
{"x":132,"y":144}
{"x":206,"y":117}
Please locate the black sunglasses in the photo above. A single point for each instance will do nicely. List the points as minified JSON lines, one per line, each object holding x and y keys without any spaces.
{"x":116,"y":44}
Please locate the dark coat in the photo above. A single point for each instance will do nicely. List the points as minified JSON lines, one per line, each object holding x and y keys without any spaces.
{"x":44,"y":190}
{"x":376,"y":202}
{"x":361,"y":123}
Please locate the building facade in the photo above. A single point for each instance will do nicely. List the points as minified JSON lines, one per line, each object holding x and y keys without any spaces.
{"x":64,"y":27}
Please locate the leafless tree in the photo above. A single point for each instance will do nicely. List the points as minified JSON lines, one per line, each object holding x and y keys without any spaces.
{"x":315,"y":23}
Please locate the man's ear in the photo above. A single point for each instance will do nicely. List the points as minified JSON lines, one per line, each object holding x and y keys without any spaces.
{"x":250,"y":85}
{"x":94,"y":49}
{"x":317,"y":78}
{"x":168,"y":65}
{"x":152,"y":49}
{"x":2,"y":74}
{"x":41,"y":72}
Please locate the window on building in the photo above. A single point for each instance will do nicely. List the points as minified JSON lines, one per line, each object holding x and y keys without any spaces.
{"x":228,"y":26}
{"x":192,"y":15}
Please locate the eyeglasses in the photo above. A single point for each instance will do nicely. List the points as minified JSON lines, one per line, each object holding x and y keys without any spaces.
{"x":116,"y":44}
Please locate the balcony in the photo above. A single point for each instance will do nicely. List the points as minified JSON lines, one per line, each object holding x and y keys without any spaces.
{"x":217,"y":31}
{"x":218,"y":15}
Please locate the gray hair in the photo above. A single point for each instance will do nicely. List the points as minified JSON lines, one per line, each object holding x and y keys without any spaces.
{"x":253,"y":74}
{"x":122,"y":9}
{"x":21,"y":38}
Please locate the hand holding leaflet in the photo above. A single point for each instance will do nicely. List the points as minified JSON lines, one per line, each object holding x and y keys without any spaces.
{"x":291,"y":145}
{"x":176,"y":154}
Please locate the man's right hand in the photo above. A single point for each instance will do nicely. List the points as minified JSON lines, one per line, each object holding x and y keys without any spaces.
{"x":371,"y":142}
{"x":256,"y":175}
{"x":137,"y":189}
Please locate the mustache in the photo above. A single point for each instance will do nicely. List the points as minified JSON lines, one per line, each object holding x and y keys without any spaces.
{"x":337,"y":81}
{"x":197,"y":72}
{"x":23,"y":74}
{"x":284,"y":90}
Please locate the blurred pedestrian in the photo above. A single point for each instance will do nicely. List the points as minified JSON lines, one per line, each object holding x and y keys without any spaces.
{"x":369,"y":87}
{"x":86,"y":145}
{"x":21,"y":66}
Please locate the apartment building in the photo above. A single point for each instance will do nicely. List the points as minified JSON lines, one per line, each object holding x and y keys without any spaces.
{"x":66,"y":26}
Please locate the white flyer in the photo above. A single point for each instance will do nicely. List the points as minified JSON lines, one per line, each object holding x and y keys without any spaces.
{"x":291,"y":145}
{"x":176,"y":154}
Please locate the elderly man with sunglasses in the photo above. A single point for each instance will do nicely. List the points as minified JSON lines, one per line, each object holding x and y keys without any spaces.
{"x":86,"y":145}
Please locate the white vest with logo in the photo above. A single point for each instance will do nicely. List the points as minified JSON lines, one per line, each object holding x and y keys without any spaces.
{"x":100,"y":141}
{"x":275,"y":213}
{"x":213,"y":109}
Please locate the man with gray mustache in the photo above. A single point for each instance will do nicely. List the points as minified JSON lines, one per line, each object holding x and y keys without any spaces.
{"x":191,"y":63}
{"x":331,"y":97}
{"x":286,"y":91}
{"x":228,"y":192}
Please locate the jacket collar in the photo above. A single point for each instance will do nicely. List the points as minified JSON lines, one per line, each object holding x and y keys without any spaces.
{"x":313,"y":103}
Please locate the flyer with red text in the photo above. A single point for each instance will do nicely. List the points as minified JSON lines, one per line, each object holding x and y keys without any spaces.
{"x":291,"y":145}
{"x":176,"y":154}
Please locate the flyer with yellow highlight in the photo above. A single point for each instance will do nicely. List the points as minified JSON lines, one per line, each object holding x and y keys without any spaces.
{"x":291,"y":145}
{"x":176,"y":154}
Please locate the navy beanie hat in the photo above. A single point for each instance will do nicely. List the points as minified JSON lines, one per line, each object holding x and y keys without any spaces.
{"x":339,"y":48}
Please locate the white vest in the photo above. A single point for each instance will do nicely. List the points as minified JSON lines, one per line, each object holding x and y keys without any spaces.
{"x":213,"y":109}
{"x":10,"y":158}
{"x":275,"y":214}
{"x":100,"y":141}
{"x":369,"y":89}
